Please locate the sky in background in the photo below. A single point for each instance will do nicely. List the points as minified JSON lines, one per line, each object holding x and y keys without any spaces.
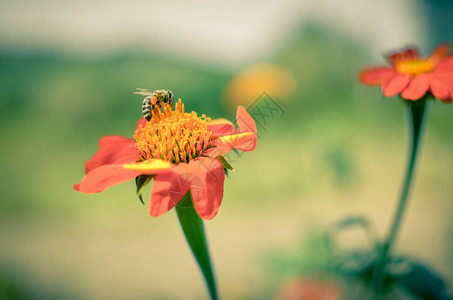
{"x":229,"y":33}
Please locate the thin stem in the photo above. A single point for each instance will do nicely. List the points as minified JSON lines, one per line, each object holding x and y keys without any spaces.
{"x":416,"y":117}
{"x":193,"y":229}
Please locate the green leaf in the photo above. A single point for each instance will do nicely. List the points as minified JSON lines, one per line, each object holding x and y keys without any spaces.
{"x":225,"y":164}
{"x":141,"y":181}
{"x":423,"y":282}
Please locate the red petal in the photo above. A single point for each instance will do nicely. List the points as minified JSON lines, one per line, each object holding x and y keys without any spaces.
{"x":395,"y":85}
{"x":141,"y":123}
{"x":440,"y":89}
{"x":104,"y":177}
{"x":446,"y":65}
{"x":245,"y":142}
{"x":113,"y":150}
{"x":376,"y":76}
{"x":245,"y":121}
{"x":220,"y":127}
{"x":439,"y":53}
{"x":244,"y":138}
{"x":242,"y":141}
{"x":168,"y":189}
{"x":207,"y":186}
{"x":410,"y":53}
{"x":394,"y":58}
{"x":417,"y":87}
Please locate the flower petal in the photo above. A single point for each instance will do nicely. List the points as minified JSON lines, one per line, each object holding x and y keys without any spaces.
{"x":440,"y":89}
{"x":395,"y":58}
{"x":446,"y":65}
{"x":150,"y":166}
{"x":141,"y":123}
{"x":376,"y":76}
{"x":245,"y":121}
{"x":242,"y":141}
{"x":168,"y":189}
{"x":417,"y":87}
{"x":395,"y":85}
{"x":408,"y":54}
{"x":439,"y":53}
{"x":220,"y":127}
{"x":207,"y":186}
{"x":113,"y":149}
{"x":101,"y":178}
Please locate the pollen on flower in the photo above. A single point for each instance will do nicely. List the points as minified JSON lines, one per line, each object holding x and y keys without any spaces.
{"x":173,"y":135}
{"x":414,"y":67}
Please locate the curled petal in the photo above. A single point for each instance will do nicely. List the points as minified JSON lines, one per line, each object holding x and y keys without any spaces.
{"x":150,"y":166}
{"x":104,"y":177}
{"x":376,"y":76}
{"x":417,"y":87}
{"x":220,"y":127}
{"x":244,"y":138}
{"x":242,"y":141}
{"x":207,"y":186}
{"x":395,"y":85}
{"x":168,"y":190}
{"x":245,"y":121}
{"x":113,"y":150}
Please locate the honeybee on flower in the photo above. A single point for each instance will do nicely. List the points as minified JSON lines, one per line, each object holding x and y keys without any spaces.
{"x":154,"y":99}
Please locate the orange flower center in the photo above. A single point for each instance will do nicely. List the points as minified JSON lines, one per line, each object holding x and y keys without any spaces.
{"x":414,"y":67}
{"x":173,"y":135}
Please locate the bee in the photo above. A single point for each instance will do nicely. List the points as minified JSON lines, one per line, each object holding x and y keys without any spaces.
{"x":154,"y":99}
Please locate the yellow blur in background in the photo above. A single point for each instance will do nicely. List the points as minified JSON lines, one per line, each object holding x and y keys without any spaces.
{"x":247,"y":86}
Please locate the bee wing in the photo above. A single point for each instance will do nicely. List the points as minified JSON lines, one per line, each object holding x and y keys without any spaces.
{"x":144,"y":92}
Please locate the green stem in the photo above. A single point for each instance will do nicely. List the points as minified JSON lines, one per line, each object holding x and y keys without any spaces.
{"x":416,"y":117}
{"x":192,"y":226}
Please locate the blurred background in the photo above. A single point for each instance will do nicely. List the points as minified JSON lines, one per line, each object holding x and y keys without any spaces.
{"x":68,"y":70}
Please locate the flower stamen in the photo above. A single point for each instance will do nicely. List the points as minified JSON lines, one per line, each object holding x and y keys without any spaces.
{"x":414,"y":67}
{"x":173,"y":135}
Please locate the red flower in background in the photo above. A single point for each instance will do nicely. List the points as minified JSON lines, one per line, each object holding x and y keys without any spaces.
{"x":179,"y":150}
{"x":309,"y":289}
{"x":412,"y":76}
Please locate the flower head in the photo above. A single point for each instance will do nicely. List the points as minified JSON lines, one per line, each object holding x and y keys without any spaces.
{"x":412,"y":76}
{"x":181,"y":151}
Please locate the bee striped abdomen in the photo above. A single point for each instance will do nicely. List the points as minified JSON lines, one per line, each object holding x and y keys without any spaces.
{"x":146,"y":108}
{"x":154,"y":99}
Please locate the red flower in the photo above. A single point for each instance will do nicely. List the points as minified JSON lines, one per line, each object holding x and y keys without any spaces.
{"x":309,"y":289}
{"x":412,"y":76}
{"x":179,"y":150}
